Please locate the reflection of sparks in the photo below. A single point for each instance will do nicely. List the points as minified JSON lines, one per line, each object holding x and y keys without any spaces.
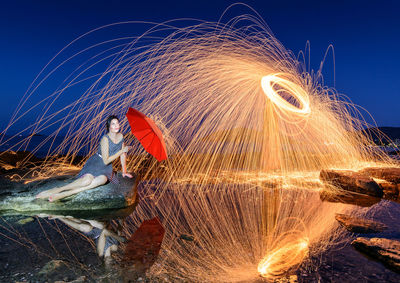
{"x":289,"y":181}
{"x":280,"y":260}
{"x":268,"y":83}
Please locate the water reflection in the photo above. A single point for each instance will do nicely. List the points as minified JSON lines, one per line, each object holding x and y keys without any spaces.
{"x":130,"y":255}
{"x":106,"y":239}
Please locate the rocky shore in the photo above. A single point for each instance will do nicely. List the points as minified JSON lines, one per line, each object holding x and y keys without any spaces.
{"x":385,"y":250}
{"x":381,"y":182}
{"x":369,"y":185}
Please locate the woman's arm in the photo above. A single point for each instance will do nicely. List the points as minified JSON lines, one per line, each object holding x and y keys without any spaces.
{"x":123,"y":164}
{"x":104,"y":151}
{"x":123,"y":161}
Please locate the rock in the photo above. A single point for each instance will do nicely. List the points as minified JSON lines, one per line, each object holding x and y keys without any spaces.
{"x":80,"y":279}
{"x":348,"y":198}
{"x":390,"y":190}
{"x":12,"y":158}
{"x":360,"y":225}
{"x":113,"y":195}
{"x":385,"y":250}
{"x":287,"y":279}
{"x":53,"y":267}
{"x":109,"y":276}
{"x":351,"y":181}
{"x":25,"y":220}
{"x":390,"y":174}
{"x":186,"y":237}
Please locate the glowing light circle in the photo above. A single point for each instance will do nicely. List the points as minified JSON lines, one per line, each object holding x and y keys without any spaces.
{"x":280,"y":260}
{"x":267,"y":83}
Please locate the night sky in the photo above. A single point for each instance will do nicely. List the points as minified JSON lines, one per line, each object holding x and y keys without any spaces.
{"x":365,"y":36}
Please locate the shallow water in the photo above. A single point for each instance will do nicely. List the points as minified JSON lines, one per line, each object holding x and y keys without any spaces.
{"x":345,"y":264}
{"x":26,"y":248}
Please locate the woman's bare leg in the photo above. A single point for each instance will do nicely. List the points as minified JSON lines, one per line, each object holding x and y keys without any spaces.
{"x":101,"y":242}
{"x":77,"y":224}
{"x":83,"y":181}
{"x":98,"y":181}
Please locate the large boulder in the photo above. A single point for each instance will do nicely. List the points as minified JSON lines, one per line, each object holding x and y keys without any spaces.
{"x":118,"y":194}
{"x":384,"y":250}
{"x":351,"y":181}
{"x":359,"y":225}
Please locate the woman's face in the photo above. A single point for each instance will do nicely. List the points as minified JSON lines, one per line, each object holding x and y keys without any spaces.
{"x":114,"y":126}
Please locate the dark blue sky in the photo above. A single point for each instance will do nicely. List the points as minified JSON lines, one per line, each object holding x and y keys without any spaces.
{"x":365,"y":35}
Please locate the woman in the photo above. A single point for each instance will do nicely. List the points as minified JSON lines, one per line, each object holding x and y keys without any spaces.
{"x":106,"y":240}
{"x":98,"y":168}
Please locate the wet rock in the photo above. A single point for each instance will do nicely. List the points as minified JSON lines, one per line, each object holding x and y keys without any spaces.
{"x":390,"y":174}
{"x":25,"y":220}
{"x":52,"y":269}
{"x":351,"y":181}
{"x":80,"y":279}
{"x":114,"y":195}
{"x":186,"y":237}
{"x":360,"y":225}
{"x":108,"y":277}
{"x":385,"y":250}
{"x":287,"y":279}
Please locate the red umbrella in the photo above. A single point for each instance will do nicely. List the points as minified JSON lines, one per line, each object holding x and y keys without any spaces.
{"x":143,"y":247}
{"x":148,"y":134}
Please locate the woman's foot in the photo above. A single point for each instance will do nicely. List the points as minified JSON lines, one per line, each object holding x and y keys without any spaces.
{"x":43,"y":195}
{"x":42,"y":215}
{"x":54,"y":217}
{"x":54,"y":197}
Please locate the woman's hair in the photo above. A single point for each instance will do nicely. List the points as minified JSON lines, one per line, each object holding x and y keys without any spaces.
{"x":108,"y":122}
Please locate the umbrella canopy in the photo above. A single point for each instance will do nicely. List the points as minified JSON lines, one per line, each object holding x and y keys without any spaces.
{"x":143,"y":247}
{"x":148,"y":134}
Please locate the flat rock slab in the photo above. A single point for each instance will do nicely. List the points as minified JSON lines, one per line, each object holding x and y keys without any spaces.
{"x":360,"y":225}
{"x":351,"y":181}
{"x":385,"y":250}
{"x":349,"y":198}
{"x":390,"y":174}
{"x":114,"y":195}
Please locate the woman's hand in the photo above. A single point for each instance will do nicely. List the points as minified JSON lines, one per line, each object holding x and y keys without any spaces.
{"x":127,"y":175}
{"x":125,"y":149}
